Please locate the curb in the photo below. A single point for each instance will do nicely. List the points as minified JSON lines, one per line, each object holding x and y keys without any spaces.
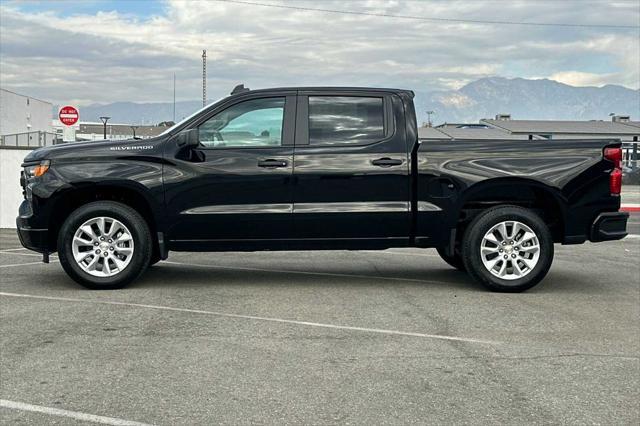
{"x":631,"y":208}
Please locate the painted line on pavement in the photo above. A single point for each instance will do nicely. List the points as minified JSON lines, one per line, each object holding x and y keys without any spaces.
{"x":291,"y":271}
{"x":14,"y":405}
{"x":15,"y":253}
{"x":255,"y":318}
{"x":398,"y":253}
{"x":28,"y":264}
{"x":277,"y":271}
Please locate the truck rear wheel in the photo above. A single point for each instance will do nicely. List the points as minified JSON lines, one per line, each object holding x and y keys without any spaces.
{"x":104,"y":245}
{"x":455,"y":260}
{"x":507,"y":249}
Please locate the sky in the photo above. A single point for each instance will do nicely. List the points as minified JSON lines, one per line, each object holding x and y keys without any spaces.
{"x":96,"y":51}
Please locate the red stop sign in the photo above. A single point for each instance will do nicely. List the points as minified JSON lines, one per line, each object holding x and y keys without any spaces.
{"x":68,"y":115}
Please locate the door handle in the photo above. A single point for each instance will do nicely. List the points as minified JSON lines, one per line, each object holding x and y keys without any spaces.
{"x":272,"y":164}
{"x":386,"y":162}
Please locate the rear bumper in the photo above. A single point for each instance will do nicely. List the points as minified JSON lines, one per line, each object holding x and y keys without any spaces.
{"x":609,"y":226}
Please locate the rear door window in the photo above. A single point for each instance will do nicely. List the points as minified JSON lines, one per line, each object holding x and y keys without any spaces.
{"x":338,"y":120}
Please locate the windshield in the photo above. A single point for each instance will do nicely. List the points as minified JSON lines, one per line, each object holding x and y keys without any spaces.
{"x":184,"y":120}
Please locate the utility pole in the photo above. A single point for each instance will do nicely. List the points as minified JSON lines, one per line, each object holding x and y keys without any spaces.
{"x":174,"y":97}
{"x":204,"y":78}
{"x":429,"y":122}
{"x":104,"y":125}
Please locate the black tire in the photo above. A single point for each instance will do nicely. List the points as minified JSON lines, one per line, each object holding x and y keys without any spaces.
{"x":481,"y":224}
{"x":455,"y":260}
{"x":141,"y":240}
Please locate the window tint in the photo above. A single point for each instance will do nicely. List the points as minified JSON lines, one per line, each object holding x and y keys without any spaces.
{"x":253,"y":123}
{"x":345,"y":120}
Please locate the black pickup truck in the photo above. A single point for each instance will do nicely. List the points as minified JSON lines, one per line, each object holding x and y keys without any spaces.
{"x":317,"y":168}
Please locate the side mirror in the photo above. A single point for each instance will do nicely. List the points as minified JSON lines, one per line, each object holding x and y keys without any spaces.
{"x":189,"y":138}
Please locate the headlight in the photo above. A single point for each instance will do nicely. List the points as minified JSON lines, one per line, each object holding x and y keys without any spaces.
{"x":37,"y":170}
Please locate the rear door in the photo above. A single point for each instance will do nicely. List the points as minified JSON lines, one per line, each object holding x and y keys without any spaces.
{"x":351,"y":166}
{"x":237,"y":185}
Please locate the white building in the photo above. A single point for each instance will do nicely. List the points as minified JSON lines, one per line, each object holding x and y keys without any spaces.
{"x":25,"y":121}
{"x":620,"y":127}
{"x":21,"y":114}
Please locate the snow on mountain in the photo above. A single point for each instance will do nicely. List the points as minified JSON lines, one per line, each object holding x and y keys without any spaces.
{"x":527,"y":99}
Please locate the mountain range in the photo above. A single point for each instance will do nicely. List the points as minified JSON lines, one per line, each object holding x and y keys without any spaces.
{"x":528,"y":100}
{"x":484,"y":98}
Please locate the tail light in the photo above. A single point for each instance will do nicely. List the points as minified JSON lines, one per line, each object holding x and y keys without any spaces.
{"x":614,"y":155}
{"x":615,"y":181}
{"x":615,"y":177}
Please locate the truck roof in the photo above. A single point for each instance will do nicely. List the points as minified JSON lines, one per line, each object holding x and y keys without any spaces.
{"x":239,"y":89}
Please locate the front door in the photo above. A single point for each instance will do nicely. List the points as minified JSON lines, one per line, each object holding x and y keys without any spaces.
{"x":351,"y":167}
{"x":237,"y":184}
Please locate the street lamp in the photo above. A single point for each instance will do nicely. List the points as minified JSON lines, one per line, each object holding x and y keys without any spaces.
{"x":104,"y":124}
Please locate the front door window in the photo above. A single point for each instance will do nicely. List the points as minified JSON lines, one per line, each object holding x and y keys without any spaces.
{"x":253,"y":123}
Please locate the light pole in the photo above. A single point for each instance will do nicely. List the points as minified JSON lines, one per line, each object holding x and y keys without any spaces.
{"x":204,"y":78}
{"x":429,"y":114}
{"x":104,"y":125}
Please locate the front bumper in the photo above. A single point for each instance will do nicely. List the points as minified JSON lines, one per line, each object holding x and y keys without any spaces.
{"x":33,"y":239}
{"x":609,"y":226}
{"x":32,"y":236}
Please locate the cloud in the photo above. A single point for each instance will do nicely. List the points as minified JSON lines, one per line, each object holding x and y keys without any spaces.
{"x":108,"y":56}
{"x":577,"y":78}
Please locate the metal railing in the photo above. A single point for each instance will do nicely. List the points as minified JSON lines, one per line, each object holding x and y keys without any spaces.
{"x":630,"y":155}
{"x":30,"y":139}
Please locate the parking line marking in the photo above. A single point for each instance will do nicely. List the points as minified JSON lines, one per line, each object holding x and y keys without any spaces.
{"x":398,"y":253}
{"x":256,"y":318}
{"x":14,"y":405}
{"x":13,"y":249}
{"x":28,"y":264}
{"x":291,"y":271}
{"x":15,"y":253}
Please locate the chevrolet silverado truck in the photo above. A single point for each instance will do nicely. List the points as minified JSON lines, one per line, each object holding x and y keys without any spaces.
{"x":318,"y":169}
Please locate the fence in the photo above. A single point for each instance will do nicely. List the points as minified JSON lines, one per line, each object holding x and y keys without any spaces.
{"x":630,"y":155}
{"x":30,"y":139}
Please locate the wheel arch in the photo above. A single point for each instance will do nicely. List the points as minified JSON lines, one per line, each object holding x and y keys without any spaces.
{"x":131,"y":194}
{"x":545,"y":199}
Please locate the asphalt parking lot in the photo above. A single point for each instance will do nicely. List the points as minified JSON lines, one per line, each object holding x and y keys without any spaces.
{"x":322,"y":338}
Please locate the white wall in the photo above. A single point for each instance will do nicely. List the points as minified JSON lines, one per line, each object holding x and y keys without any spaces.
{"x":20,"y":113}
{"x":10,"y":190}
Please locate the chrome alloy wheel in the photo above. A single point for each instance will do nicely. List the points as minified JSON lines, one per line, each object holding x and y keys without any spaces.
{"x":510,"y":250}
{"x":102,"y":246}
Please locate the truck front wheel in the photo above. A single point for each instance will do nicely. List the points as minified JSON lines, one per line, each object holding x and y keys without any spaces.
{"x":507,"y":249}
{"x":104,"y":245}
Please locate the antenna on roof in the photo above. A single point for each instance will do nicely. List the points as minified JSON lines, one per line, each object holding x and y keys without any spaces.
{"x":239,"y":89}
